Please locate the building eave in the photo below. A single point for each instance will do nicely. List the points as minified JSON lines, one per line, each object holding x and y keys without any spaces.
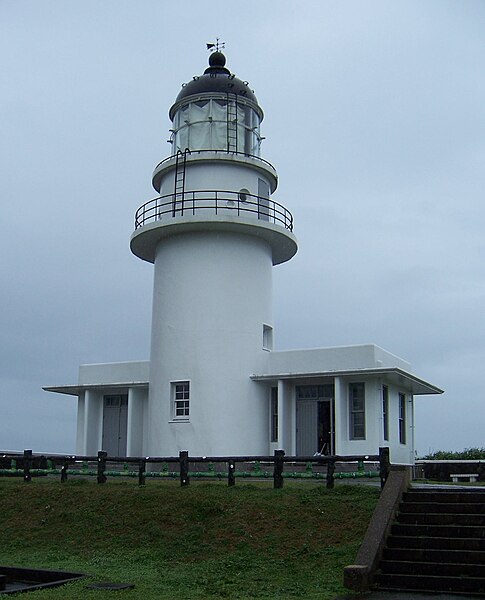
{"x":75,"y":390}
{"x":398,"y":376}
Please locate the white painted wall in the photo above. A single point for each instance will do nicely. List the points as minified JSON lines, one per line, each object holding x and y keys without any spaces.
{"x":224,"y":176}
{"x":339,"y":358}
{"x":212,"y":422}
{"x":114,"y":373}
{"x":400,"y":453}
{"x":163,"y":176}
{"x":212,"y":295}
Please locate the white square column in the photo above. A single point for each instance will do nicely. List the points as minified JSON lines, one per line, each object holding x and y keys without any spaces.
{"x":137,"y":401}
{"x":286,"y":417}
{"x":93,"y":422}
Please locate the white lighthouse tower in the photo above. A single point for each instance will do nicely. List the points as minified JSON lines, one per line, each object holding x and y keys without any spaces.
{"x":213,"y":385}
{"x":213,"y":235}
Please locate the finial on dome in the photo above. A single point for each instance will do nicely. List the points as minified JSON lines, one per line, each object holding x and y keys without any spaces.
{"x":216,"y":58}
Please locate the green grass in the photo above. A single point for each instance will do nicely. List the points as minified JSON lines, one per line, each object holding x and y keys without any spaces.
{"x":206,"y":541}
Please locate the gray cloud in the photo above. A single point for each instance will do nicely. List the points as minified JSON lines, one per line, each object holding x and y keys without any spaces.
{"x":375,"y":122}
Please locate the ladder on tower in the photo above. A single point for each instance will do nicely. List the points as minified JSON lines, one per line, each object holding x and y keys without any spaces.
{"x":231,"y":122}
{"x":179,"y":182}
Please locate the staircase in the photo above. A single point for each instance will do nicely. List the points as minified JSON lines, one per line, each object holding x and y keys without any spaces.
{"x":437,"y":543}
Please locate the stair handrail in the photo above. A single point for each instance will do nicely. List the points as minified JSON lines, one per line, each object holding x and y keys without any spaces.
{"x":359,"y":577}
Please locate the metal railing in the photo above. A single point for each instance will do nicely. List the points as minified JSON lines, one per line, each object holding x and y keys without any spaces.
{"x":222,"y":152}
{"x":218,"y":201}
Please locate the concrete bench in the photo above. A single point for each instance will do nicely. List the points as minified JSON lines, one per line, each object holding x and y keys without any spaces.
{"x":455,"y":477}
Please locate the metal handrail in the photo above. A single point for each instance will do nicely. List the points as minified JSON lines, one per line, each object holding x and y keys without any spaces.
{"x":221,"y":151}
{"x":218,"y":201}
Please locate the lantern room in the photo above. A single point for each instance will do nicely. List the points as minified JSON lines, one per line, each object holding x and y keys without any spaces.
{"x":216,"y":111}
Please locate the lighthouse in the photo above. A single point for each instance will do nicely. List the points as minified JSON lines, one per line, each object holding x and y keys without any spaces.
{"x":213,"y":235}
{"x":214,"y":384}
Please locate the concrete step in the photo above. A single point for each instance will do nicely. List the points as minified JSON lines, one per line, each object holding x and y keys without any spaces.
{"x":440,"y":531}
{"x":445,"y":496}
{"x":442,"y":507}
{"x":433,"y":568}
{"x":435,"y":555}
{"x":437,"y":543}
{"x":443,"y":543}
{"x":441,"y":519}
{"x":473,"y":586}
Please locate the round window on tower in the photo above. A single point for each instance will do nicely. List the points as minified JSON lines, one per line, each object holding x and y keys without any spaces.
{"x":244,"y":195}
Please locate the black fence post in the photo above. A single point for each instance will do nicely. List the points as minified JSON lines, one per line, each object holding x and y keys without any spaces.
{"x":384,"y":465}
{"x":64,"y":468}
{"x":184,"y":468}
{"x":330,"y":473}
{"x":27,"y":465}
{"x":102,"y":466}
{"x":231,"y":479}
{"x":141,"y":472}
{"x":278,"y":469}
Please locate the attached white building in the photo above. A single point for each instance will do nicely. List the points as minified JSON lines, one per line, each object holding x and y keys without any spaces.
{"x":213,"y":384}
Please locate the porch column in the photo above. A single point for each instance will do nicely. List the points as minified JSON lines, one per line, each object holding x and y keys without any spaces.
{"x":339,"y":418}
{"x":412,"y":455}
{"x":80,"y":433}
{"x":286,"y":417}
{"x":136,"y":405}
{"x":93,"y":421}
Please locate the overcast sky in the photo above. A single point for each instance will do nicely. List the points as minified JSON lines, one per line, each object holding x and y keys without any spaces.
{"x":375,"y":121}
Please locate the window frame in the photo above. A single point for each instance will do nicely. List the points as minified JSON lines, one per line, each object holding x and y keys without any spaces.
{"x":385,"y":412}
{"x":354,"y":412}
{"x":402,"y":421}
{"x":180,"y":401}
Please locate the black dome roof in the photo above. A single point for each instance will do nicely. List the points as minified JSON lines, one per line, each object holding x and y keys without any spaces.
{"x":216,"y":78}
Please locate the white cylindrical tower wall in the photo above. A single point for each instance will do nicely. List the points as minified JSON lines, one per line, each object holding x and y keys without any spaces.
{"x":213,"y":235}
{"x":212,"y":297}
{"x":229,"y":176}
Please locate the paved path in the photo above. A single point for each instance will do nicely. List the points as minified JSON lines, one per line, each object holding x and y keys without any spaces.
{"x":404,"y":596}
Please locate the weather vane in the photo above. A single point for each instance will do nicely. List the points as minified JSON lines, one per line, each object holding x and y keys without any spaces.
{"x":217,"y":46}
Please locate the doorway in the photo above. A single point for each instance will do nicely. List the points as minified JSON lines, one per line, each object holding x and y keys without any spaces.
{"x":315,"y":420}
{"x":115,"y":424}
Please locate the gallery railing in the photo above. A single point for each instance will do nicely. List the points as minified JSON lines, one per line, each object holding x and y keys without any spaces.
{"x":217,"y":202}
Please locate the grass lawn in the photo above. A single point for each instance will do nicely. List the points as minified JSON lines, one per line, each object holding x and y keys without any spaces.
{"x":202,"y":541}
